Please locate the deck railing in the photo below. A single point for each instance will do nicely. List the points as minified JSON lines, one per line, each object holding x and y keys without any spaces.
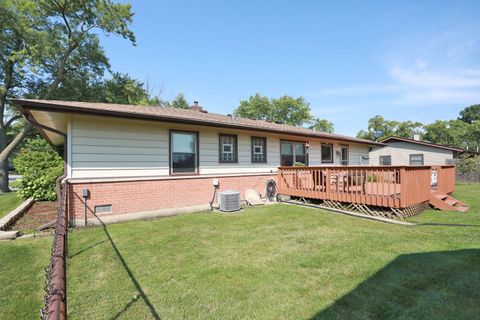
{"x":392,"y":186}
{"x":445,"y":178}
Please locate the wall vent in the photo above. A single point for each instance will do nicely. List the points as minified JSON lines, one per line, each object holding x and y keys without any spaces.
{"x":229,"y":201}
{"x":103,"y":208}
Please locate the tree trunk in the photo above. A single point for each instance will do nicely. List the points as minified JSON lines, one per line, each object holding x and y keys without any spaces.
{"x":6,"y":150}
{"x":5,"y":154}
{"x":3,"y":166}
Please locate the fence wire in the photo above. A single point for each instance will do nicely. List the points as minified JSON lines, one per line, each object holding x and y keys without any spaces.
{"x":55,"y":307}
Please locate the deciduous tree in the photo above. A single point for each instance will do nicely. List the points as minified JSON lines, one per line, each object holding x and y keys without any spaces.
{"x":470,"y":114}
{"x":286,"y":109}
{"x":322,"y":125}
{"x":43,"y":43}
{"x":180,"y":102}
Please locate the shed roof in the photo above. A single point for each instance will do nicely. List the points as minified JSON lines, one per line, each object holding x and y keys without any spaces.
{"x":419,"y":142}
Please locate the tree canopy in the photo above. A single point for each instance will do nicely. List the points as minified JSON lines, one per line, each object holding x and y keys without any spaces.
{"x":379,"y":128}
{"x":285,"y":109}
{"x":463,"y":132}
{"x":180,"y":102}
{"x":470,"y":114}
{"x":44,"y":42}
{"x":322,"y":125}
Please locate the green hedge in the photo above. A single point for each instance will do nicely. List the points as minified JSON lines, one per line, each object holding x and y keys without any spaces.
{"x":40,"y":166}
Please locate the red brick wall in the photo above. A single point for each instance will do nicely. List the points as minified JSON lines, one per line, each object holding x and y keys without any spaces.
{"x":136,"y":196}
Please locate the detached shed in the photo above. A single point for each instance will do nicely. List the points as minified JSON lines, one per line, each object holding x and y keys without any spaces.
{"x":400,"y":151}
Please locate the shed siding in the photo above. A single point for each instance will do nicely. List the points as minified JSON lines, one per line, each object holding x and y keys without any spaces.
{"x":401,"y":151}
{"x":111,"y":147}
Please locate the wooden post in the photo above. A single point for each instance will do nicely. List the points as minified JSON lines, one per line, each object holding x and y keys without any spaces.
{"x":403,"y":187}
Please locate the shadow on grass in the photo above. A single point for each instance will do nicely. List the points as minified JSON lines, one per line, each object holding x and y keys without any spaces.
{"x":141,"y":294}
{"x":87,"y":248}
{"x":432,"y":285}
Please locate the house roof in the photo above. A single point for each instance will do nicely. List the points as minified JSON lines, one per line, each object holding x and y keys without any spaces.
{"x":424,"y":143}
{"x":173,"y":115}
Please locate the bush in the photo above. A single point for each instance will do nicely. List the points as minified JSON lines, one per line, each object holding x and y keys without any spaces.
{"x":469,"y":166}
{"x":40,"y":166}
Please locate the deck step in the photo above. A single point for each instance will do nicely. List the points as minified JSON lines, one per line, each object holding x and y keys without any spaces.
{"x":451,"y":201}
{"x":441,"y":196}
{"x":443,"y":201}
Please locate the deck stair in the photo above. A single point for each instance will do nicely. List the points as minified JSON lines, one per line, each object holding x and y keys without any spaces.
{"x":444,"y":201}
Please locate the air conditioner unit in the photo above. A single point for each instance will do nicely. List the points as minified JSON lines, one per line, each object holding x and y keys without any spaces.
{"x":229,"y":201}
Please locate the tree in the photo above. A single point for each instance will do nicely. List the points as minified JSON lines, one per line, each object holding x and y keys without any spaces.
{"x":322,"y":125}
{"x":256,"y":107}
{"x":292,"y":111}
{"x":469,"y":166}
{"x":379,"y":128}
{"x":45,"y":42}
{"x":450,"y":133}
{"x":286,"y":109}
{"x":407,"y":129}
{"x":180,"y":102}
{"x":470,"y":114}
{"x":120,"y":88}
{"x":125,"y":90}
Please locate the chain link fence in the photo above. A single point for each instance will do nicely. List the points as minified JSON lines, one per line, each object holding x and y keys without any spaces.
{"x":55,"y":307}
{"x":472,"y":177}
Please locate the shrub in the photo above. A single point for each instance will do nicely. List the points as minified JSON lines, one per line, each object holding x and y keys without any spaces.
{"x":40,"y":165}
{"x":469,"y":166}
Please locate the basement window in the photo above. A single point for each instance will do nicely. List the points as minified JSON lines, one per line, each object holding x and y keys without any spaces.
{"x":107,"y":208}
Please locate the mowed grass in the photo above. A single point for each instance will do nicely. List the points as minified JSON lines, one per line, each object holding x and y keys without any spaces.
{"x":278,"y":262}
{"x":8,"y":202}
{"x":22,"y":277}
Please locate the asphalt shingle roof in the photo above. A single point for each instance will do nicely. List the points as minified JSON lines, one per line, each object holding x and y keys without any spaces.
{"x":179,"y":115}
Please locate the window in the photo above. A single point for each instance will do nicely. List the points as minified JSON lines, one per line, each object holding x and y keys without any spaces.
{"x":327,"y":153}
{"x":259,"y":150}
{"x":228,"y":148}
{"x":292,"y":152}
{"x":107,"y":208}
{"x":385,"y":160}
{"x":416,"y":159}
{"x":184,"y":152}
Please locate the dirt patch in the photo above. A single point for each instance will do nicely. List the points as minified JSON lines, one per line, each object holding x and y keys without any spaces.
{"x":38,"y":214}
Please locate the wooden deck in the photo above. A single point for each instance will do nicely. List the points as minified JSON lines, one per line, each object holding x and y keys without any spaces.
{"x":385,"y":186}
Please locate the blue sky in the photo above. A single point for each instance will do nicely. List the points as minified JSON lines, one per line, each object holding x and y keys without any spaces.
{"x":405,"y":60}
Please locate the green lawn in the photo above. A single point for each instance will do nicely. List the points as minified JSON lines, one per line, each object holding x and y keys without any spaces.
{"x":279,"y":262}
{"x":8,"y":202}
{"x":22,"y":277}
{"x":276,"y":262}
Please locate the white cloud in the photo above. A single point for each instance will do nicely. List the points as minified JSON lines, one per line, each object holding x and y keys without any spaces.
{"x":414,"y":78}
{"x":419,"y":85}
